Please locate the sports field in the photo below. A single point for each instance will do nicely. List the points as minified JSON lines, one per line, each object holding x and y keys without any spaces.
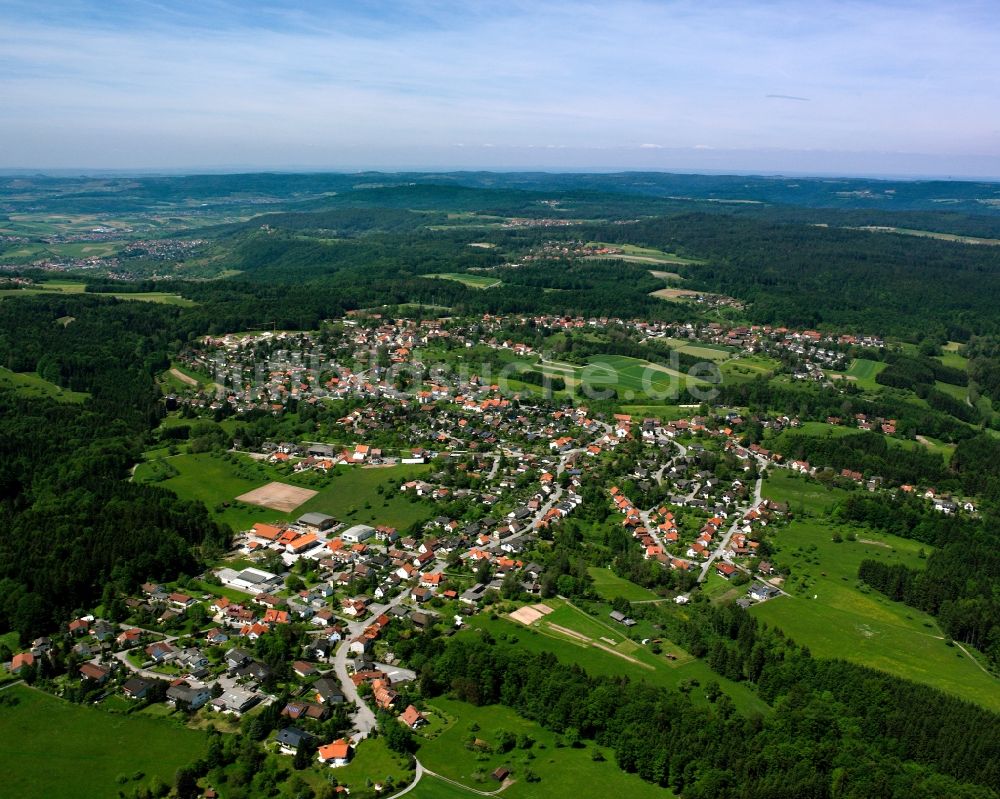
{"x":278,"y":496}
{"x":57,"y":750}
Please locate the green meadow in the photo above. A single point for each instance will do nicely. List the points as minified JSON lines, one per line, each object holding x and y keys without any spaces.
{"x":472,"y":281}
{"x":58,"y":750}
{"x":349,"y":493}
{"x":863,"y":372}
{"x":29,"y":384}
{"x":562,"y":772}
{"x":632,"y":252}
{"x":75,"y":287}
{"x":609,"y":586}
{"x":600,"y":647}
{"x":837,"y":616}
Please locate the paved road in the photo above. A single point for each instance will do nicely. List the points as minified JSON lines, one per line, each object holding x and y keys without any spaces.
{"x":363,"y":717}
{"x":724,"y":544}
{"x":417,"y":775}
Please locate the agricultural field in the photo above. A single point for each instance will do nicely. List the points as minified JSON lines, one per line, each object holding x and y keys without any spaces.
{"x":350,"y":494}
{"x":561,"y":772}
{"x":636,"y":254}
{"x":72,"y":287}
{"x":472,"y":281}
{"x":710,"y":352}
{"x":836,"y":616}
{"x":29,"y":384}
{"x":51,"y":747}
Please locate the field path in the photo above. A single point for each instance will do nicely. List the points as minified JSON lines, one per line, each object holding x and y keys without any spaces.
{"x":183,"y":377}
{"x":463,"y":787}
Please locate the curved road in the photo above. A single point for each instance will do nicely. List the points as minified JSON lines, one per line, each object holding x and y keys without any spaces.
{"x":363,"y":717}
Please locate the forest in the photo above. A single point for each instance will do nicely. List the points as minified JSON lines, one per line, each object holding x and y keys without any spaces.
{"x":71,"y":522}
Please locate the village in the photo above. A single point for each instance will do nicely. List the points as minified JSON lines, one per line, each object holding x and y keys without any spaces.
{"x":502,"y":475}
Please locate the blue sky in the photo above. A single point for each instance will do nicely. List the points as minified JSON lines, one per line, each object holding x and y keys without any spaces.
{"x":744,"y":85}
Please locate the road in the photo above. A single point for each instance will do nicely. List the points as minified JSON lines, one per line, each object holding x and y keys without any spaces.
{"x":724,"y":543}
{"x":363,"y":717}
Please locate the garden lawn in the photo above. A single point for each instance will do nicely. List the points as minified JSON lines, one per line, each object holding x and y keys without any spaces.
{"x":55,"y":749}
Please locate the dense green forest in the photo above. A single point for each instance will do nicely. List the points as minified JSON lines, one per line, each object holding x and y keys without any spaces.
{"x":71,"y":522}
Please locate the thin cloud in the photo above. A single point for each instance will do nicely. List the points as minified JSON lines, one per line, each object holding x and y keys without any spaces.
{"x":114,"y":83}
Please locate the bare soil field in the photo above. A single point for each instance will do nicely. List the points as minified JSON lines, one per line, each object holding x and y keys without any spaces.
{"x":529,"y":614}
{"x":278,"y":496}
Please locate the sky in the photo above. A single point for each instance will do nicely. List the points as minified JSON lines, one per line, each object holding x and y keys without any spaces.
{"x":855,"y":87}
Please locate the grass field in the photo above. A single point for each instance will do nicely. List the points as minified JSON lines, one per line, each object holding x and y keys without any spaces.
{"x":350,"y":494}
{"x":958,"y":392}
{"x":662,"y":412}
{"x":71,"y":287}
{"x":710,"y":352}
{"x":29,"y":384}
{"x":863,"y":373}
{"x":58,"y":750}
{"x":631,"y":378}
{"x":584,"y":645}
{"x":640,"y":377}
{"x":609,"y":585}
{"x":950,"y":356}
{"x":835,"y":615}
{"x":472,"y":281}
{"x":373,"y":761}
{"x":932,"y":234}
{"x":800,"y":493}
{"x":747,"y":367}
{"x":563,"y":773}
{"x":636,"y":254}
